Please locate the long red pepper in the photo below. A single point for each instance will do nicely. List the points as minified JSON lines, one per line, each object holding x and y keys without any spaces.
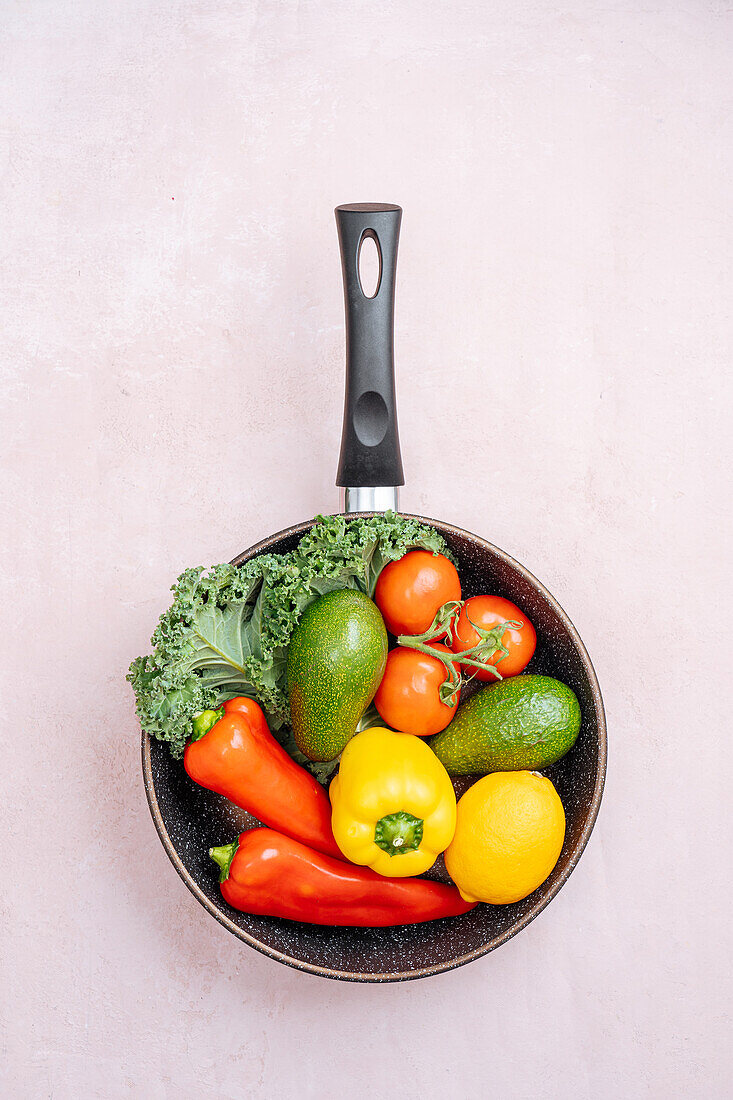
{"x":273,"y":875}
{"x":234,"y":754}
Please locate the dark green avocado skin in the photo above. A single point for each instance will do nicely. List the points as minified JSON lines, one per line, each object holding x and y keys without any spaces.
{"x":336,"y":661}
{"x":522,"y":723}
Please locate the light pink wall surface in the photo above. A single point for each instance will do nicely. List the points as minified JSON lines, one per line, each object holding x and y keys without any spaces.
{"x":172,"y":389}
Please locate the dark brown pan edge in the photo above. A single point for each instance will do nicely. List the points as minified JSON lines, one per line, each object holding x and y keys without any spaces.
{"x":408,"y":975}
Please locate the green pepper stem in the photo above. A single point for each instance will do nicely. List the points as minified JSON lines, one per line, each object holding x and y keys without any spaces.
{"x":398,"y":833}
{"x":205,"y":721}
{"x":223,"y":857}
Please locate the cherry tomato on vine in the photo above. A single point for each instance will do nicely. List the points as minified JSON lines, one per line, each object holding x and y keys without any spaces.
{"x":408,"y":698}
{"x":410,"y":591}
{"x":488,"y":612}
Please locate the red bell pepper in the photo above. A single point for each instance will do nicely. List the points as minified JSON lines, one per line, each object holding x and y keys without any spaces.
{"x":272,"y":875}
{"x":233,"y":753}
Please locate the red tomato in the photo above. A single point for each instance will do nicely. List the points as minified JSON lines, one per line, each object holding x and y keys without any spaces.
{"x":410,"y":591}
{"x":408,"y":698}
{"x":489,"y":612}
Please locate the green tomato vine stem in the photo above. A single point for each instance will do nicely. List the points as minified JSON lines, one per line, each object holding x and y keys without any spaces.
{"x":477,"y":657}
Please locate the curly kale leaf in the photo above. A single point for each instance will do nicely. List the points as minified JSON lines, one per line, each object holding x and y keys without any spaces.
{"x":228,"y":628}
{"x":365,"y":546}
{"x":208,"y":647}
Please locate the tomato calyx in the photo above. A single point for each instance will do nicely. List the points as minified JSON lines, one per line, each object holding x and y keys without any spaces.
{"x":477,"y":658}
{"x":493,"y":637}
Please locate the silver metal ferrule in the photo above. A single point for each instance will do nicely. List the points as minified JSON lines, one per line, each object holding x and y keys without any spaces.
{"x":370,"y":498}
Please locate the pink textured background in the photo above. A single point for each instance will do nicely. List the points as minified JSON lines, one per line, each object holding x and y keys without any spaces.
{"x":172,"y":387}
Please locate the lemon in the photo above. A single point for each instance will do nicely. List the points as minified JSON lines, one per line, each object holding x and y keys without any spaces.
{"x":509,"y":834}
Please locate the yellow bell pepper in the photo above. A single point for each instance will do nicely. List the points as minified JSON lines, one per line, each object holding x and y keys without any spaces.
{"x":393,"y":804}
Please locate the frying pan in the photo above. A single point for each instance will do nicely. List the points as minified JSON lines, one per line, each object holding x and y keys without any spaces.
{"x":190,"y":819}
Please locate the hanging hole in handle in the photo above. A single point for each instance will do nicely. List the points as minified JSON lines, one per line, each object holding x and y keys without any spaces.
{"x":369,"y":264}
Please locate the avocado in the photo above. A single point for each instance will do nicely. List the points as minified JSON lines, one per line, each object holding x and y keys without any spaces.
{"x":521,"y":723}
{"x":336,"y":661}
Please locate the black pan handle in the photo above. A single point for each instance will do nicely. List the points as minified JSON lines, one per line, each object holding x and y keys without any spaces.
{"x":370,"y":445}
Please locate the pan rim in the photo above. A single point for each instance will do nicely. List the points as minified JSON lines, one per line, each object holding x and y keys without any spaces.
{"x":507,"y":934}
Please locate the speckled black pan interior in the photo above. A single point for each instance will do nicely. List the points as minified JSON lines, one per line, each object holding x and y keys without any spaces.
{"x":190,"y":819}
